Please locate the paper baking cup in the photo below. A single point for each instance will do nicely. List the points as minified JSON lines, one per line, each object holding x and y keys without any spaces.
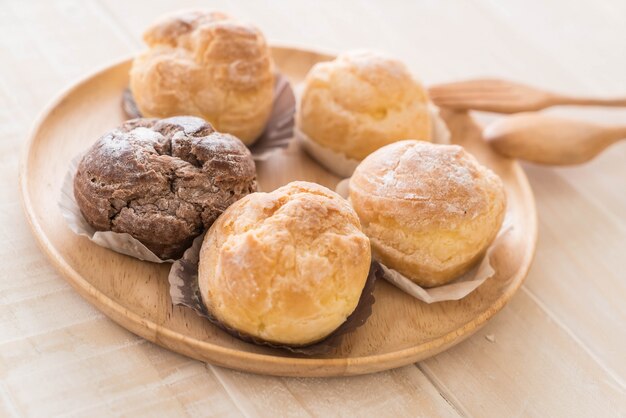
{"x":184,"y":290}
{"x":343,"y":166}
{"x":457,"y":288}
{"x":278,"y":131}
{"x":335,"y":162}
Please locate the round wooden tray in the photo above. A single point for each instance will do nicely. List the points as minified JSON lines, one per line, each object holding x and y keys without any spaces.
{"x":135,"y":294}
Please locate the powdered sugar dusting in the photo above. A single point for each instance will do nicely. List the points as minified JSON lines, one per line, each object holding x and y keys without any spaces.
{"x":444,"y":178}
{"x":163,"y":176}
{"x":389,"y":179}
{"x":366,"y":61}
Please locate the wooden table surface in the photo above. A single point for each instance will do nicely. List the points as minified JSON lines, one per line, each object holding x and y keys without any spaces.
{"x":558,"y":348}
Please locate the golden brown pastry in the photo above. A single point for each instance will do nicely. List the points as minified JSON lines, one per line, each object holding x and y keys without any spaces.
{"x":360,"y":102}
{"x":430,"y":211}
{"x":287,"y":267}
{"x":208,"y":65}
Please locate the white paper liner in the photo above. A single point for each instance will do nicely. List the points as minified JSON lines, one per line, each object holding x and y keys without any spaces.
{"x":333,"y":161}
{"x":454,"y":290}
{"x":343,"y":166}
{"x":119,"y":242}
{"x":440,"y":132}
{"x":459,"y":287}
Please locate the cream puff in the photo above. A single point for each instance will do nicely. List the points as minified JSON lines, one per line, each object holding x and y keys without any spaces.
{"x":162,"y":181}
{"x":287,"y":267}
{"x":429,"y":210}
{"x":357,"y":103}
{"x":207,"y":65}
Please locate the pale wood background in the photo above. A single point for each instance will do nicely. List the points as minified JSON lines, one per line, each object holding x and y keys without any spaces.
{"x":559,"y":347}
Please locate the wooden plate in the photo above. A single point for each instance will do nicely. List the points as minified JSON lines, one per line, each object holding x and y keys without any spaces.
{"x":401,"y":329}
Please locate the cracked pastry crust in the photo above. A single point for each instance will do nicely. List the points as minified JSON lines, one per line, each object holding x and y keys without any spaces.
{"x":162,"y":181}
{"x":360,"y":102}
{"x":430,"y":211}
{"x":208,"y":65}
{"x":287,"y":266}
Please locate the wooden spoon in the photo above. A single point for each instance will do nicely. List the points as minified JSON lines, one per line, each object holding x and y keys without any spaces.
{"x":551,"y":140}
{"x":501,"y":96}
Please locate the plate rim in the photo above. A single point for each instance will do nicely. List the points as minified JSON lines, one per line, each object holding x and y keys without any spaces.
{"x":162,"y":335}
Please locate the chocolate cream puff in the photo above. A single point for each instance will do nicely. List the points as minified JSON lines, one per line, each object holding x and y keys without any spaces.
{"x":162,"y":181}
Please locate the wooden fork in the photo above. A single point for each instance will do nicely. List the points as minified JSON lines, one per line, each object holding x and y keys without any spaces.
{"x":501,"y":96}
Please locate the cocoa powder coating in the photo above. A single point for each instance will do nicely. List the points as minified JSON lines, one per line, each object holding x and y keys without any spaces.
{"x":163,"y":181}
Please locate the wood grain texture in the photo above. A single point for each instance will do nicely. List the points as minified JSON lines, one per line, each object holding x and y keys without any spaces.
{"x":545,"y":139}
{"x":135,"y":294}
{"x":571,"y":46}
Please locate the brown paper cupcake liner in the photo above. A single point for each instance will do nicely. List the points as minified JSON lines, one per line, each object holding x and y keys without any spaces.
{"x":278,"y":131}
{"x":184,"y":290}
